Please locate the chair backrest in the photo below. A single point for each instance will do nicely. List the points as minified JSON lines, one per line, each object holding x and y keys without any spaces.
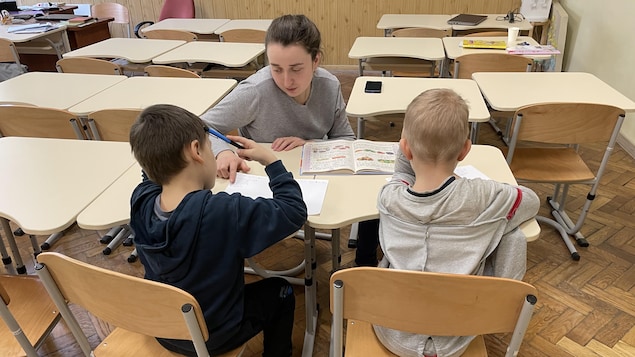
{"x":115,"y":10}
{"x":450,"y":304}
{"x":149,"y":308}
{"x":28,"y":315}
{"x":565,"y":123}
{"x":171,"y":35}
{"x":487,"y":34}
{"x":243,"y":35}
{"x":180,"y":9}
{"x":29,"y":121}
{"x":421,"y":32}
{"x":466,"y":65}
{"x":112,"y":124}
{"x":8,"y":53}
{"x":156,"y":70}
{"x":87,"y":65}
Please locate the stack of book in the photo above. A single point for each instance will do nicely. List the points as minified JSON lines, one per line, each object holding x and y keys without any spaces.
{"x":533,"y":50}
{"x":80,"y":20}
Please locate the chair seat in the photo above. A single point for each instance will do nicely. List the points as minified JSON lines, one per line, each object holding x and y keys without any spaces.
{"x":551,"y":165}
{"x":125,"y":343}
{"x":31,"y":307}
{"x":361,"y":340}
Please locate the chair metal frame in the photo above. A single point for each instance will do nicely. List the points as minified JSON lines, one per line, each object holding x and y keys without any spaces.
{"x":565,"y":126}
{"x":426,"y":303}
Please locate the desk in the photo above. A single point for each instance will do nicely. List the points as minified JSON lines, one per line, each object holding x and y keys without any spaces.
{"x":54,"y":90}
{"x":194,"y":94}
{"x":389,"y":22}
{"x":134,"y":50}
{"x":510,"y":91}
{"x":80,"y":36}
{"x":256,"y":24}
{"x":197,"y":26}
{"x":228,"y":54}
{"x":53,"y":41}
{"x":429,"y":49}
{"x":493,"y":21}
{"x":57,"y":179}
{"x":398,"y":92}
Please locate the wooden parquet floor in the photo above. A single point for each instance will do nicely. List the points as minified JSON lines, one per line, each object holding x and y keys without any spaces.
{"x":585,"y":308}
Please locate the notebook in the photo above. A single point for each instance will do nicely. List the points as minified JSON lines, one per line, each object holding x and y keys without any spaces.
{"x":467,"y":19}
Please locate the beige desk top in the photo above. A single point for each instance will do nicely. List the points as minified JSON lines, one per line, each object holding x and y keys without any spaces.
{"x":194,"y":94}
{"x":135,"y":50}
{"x":4,"y":33}
{"x":398,"y":92}
{"x":255,"y":24}
{"x":494,"y":21}
{"x":198,"y":26}
{"x":394,"y":21}
{"x":454,"y":46}
{"x":47,"y":182}
{"x":349,"y":198}
{"x":510,"y":91}
{"x":54,"y":90}
{"x":112,"y":207}
{"x":229,"y":54}
{"x":412,"y":47}
{"x":353,"y":198}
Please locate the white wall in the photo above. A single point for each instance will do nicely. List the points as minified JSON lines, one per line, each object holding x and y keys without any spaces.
{"x":601,"y":40}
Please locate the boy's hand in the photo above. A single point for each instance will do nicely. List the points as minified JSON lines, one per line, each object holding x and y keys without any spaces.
{"x":253,"y":151}
{"x":227,"y":164}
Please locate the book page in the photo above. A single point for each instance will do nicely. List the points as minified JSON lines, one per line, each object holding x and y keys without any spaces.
{"x":254,"y":186}
{"x":373,"y":156}
{"x":470,"y":172}
{"x":325,"y":156}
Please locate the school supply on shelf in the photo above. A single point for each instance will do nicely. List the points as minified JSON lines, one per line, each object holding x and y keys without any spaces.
{"x":523,"y":49}
{"x":254,"y":186}
{"x":488,"y":44}
{"x":348,"y":157}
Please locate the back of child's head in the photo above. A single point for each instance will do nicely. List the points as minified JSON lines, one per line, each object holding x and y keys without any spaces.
{"x":158,"y":137}
{"x":295,"y":30}
{"x":436,"y":125}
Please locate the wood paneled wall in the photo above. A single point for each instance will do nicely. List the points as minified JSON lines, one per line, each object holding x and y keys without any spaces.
{"x":340,"y":21}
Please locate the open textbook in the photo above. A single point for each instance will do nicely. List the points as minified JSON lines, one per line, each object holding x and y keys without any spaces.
{"x":348,"y":156}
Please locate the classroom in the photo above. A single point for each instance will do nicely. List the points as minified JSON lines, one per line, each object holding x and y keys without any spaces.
{"x":62,"y":195}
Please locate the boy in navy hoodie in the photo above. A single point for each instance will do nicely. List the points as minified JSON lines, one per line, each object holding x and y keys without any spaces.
{"x":190,"y":238}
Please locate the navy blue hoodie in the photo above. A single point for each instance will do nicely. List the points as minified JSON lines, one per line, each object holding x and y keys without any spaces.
{"x":202,"y":246}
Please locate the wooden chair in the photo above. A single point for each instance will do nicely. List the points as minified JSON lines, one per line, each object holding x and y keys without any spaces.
{"x":115,"y":10}
{"x":238,"y":35}
{"x":407,"y":67}
{"x":466,"y":65}
{"x":150,"y":308}
{"x":21,"y":120}
{"x":156,"y":70}
{"x":88,"y":65}
{"x":8,"y":53}
{"x":426,"y":303}
{"x":28,"y":314}
{"x":171,"y":35}
{"x":112,"y":124}
{"x":555,"y":131}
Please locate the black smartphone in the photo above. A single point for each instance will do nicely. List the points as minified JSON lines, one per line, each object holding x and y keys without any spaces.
{"x":373,"y":87}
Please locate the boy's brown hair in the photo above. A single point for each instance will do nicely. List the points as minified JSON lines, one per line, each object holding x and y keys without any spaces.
{"x":158,"y":137}
{"x":436,"y":125}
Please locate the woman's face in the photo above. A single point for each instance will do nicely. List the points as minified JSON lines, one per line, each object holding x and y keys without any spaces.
{"x":292,"y":69}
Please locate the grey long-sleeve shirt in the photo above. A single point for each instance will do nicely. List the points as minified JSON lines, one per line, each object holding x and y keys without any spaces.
{"x":263,"y":112}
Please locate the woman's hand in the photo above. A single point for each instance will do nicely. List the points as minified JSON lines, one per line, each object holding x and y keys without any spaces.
{"x":287,"y":143}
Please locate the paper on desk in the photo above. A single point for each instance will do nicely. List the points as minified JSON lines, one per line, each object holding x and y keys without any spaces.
{"x":31,"y":28}
{"x":470,"y":172}
{"x":313,"y":191}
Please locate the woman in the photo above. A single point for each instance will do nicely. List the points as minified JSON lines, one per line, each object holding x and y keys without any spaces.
{"x":286,"y":103}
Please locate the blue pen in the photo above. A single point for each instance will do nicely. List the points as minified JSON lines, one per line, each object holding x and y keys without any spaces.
{"x":223,"y":137}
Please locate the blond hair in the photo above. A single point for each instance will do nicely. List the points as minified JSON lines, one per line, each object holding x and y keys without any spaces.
{"x":436,"y":125}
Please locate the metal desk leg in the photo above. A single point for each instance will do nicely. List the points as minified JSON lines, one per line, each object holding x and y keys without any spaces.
{"x":360,"y":127}
{"x":336,"y":256}
{"x":36,"y":248}
{"x":474,"y":133}
{"x":310,"y":291}
{"x":6,"y":259}
{"x":20,"y":268}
